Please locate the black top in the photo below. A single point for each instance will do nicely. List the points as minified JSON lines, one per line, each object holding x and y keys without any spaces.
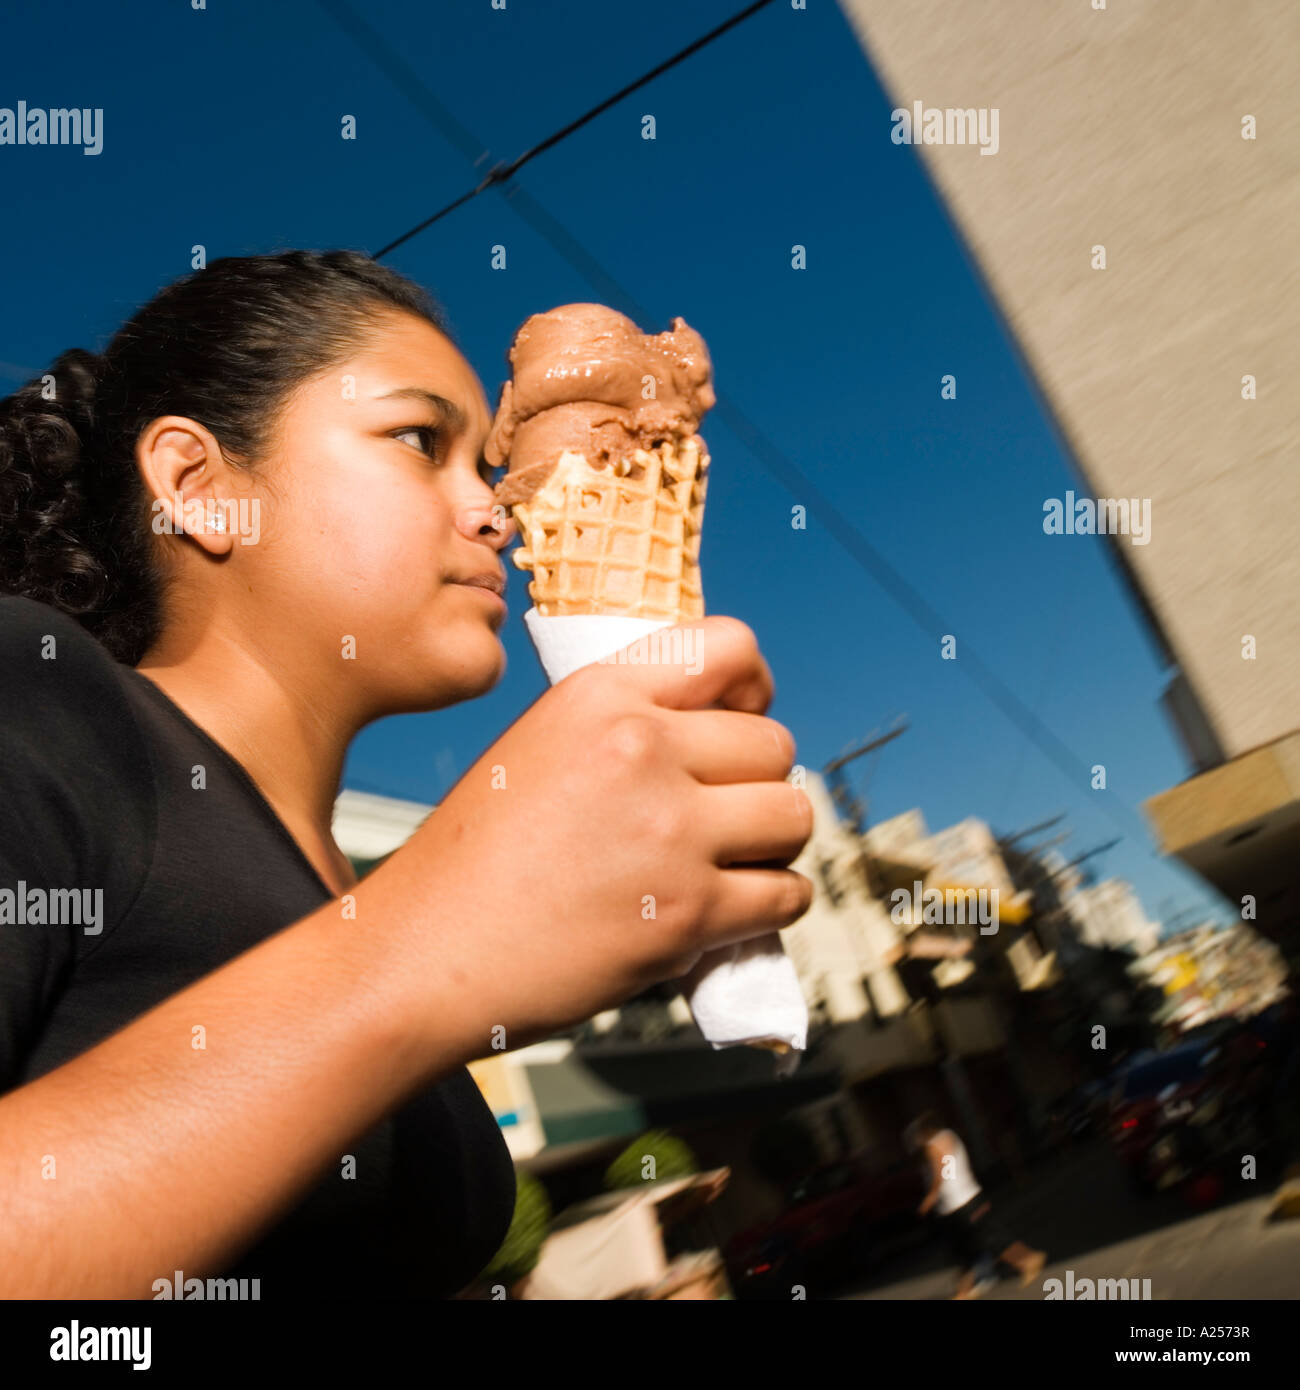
{"x":105,"y":784}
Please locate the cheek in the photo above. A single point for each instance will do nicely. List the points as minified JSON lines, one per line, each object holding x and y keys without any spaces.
{"x":386,"y":539}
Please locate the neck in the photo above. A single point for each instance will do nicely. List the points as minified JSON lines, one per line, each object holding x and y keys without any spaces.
{"x":274,"y":722}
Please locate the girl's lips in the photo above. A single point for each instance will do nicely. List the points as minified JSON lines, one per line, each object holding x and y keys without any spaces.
{"x":485,"y":591}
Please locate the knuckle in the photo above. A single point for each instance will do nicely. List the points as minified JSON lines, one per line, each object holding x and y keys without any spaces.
{"x":632,"y":740}
{"x":587,"y":683}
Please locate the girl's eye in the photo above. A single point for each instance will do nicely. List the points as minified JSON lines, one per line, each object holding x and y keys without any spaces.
{"x":428,"y":438}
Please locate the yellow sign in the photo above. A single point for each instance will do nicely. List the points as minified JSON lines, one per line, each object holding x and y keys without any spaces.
{"x":1185,"y":973}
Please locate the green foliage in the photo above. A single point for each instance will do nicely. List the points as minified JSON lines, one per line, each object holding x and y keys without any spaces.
{"x":529,"y":1226}
{"x":673,"y":1159}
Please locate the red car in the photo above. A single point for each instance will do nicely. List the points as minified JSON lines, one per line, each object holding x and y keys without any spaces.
{"x":839,"y":1219}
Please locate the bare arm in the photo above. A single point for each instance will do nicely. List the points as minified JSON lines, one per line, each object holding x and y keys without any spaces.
{"x":936,"y":1151}
{"x":145,"y":1155}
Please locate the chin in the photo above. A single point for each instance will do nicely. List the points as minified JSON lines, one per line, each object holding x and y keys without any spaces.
{"x":479,"y":663}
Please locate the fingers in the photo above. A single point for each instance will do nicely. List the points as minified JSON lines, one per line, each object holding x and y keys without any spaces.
{"x":753,"y":902}
{"x":750,"y":823}
{"x":698,"y":664}
{"x":718,"y":746}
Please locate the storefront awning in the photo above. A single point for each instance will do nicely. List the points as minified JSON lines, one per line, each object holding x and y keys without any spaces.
{"x":600,"y":1093}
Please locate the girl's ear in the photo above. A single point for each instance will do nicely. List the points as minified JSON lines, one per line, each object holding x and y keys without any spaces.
{"x":182,"y":467}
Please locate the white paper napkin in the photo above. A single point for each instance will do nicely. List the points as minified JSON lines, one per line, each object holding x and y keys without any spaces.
{"x":743,"y":994}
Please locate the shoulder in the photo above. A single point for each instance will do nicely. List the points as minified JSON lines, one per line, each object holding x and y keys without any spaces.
{"x":20,"y":616}
{"x":78,"y":813}
{"x":27,"y":625}
{"x":53,"y":672}
{"x":38,"y":643}
{"x":73,"y":760}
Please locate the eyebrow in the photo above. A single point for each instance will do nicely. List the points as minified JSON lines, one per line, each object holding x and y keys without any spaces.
{"x":455,"y":415}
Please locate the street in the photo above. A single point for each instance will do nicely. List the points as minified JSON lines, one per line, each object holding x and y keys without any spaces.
{"x":1079,"y":1210}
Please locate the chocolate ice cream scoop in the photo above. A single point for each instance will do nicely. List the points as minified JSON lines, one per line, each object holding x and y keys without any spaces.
{"x":585,"y":378}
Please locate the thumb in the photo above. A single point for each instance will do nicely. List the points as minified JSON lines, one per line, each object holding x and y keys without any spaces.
{"x":699,"y":664}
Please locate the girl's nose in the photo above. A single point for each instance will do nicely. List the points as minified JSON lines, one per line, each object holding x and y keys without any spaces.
{"x":490,"y":522}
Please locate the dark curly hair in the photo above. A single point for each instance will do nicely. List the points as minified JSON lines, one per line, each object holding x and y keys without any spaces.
{"x":224,"y":346}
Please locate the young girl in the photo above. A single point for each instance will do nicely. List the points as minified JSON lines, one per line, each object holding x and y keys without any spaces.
{"x":258,"y":522}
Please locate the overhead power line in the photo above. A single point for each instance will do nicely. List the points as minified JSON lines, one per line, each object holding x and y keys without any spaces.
{"x":397,"y":71}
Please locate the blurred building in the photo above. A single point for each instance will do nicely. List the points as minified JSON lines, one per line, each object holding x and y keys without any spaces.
{"x":1110,"y":913}
{"x":368,"y":828}
{"x":1211,"y":972}
{"x":915,"y":1003}
{"x":1135,"y":225}
{"x":845,"y":947}
{"x":954,"y":861}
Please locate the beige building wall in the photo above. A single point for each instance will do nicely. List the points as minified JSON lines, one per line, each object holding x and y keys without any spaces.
{"x":1122,"y":128}
{"x":1110,"y":913}
{"x":836,"y":944}
{"x":967,"y":854}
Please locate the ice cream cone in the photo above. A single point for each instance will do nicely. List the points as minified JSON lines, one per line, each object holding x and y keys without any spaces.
{"x":621,"y":541}
{"x":606,"y":481}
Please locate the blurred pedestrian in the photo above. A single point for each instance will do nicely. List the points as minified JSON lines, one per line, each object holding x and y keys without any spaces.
{"x":969,"y":1225}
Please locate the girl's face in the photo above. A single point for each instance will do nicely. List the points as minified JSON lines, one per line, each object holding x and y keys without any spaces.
{"x":377,"y":558}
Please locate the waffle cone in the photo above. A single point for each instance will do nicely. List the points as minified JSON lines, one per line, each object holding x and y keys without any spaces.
{"x":623,"y":540}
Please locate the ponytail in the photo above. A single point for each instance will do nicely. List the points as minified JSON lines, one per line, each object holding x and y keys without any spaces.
{"x":55,"y":532}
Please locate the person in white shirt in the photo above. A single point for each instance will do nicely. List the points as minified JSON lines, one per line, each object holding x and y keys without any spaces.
{"x":969,"y":1224}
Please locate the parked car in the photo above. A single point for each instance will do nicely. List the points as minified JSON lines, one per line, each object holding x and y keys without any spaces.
{"x":1150,"y":1093}
{"x":1073,"y":1117}
{"x":1181,"y":1119}
{"x":839,"y":1219}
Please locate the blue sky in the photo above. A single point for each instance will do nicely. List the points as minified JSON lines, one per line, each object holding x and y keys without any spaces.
{"x":222,"y":128}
